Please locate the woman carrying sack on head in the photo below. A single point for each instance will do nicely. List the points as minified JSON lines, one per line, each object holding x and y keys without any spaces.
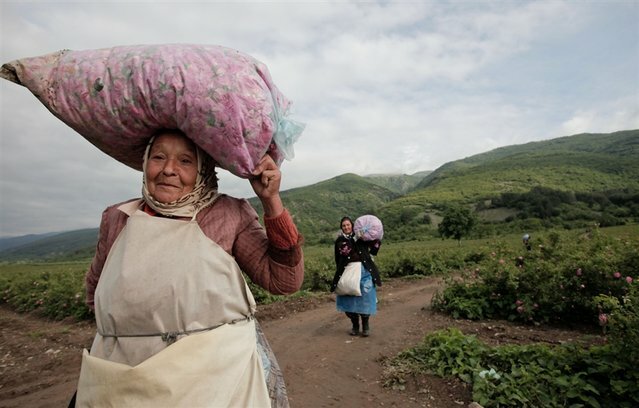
{"x":174,"y":315}
{"x":353,"y":256}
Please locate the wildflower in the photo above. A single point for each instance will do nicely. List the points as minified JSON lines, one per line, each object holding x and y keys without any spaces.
{"x":603,"y":319}
{"x":520,"y":309}
{"x":578,"y":272}
{"x":629,"y":279}
{"x":519,"y":302}
{"x":582,"y":286}
{"x":617,"y":275}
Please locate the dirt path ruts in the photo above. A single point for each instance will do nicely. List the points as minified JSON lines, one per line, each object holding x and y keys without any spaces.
{"x":323,"y":365}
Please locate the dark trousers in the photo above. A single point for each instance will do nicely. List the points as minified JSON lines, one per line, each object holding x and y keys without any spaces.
{"x":355,"y":317}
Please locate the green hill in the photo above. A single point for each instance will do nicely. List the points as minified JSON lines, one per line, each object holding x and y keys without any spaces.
{"x":318,"y":208}
{"x":14,"y":242}
{"x":398,"y":183}
{"x":585,"y":163}
{"x":547,"y":183}
{"x":78,"y":244}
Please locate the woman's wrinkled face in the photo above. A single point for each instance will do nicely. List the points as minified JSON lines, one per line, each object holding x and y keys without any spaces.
{"x":171,"y":169}
{"x":347,"y":227}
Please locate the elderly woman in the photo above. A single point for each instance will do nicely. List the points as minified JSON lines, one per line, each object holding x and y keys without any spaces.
{"x":174,"y":316}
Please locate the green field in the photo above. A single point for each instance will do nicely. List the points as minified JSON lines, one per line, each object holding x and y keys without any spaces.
{"x":569,"y":277}
{"x":56,"y":289}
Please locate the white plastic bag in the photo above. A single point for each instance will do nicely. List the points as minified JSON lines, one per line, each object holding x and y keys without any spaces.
{"x":349,"y":281}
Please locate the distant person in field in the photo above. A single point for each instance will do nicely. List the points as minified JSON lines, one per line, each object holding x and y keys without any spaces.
{"x":353,"y":253}
{"x":526,"y":241}
{"x":175,"y":318}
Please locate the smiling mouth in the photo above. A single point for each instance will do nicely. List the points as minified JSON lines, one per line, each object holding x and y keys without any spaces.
{"x":167,"y":185}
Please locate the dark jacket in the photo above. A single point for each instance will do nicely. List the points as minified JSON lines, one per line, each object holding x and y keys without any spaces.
{"x":347,"y":249}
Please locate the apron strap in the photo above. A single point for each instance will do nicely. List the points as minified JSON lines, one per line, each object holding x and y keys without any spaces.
{"x":172,"y":336}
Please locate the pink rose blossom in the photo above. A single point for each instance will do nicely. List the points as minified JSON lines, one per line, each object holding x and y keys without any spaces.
{"x":629,"y":279}
{"x":519,"y":303}
{"x":603,"y":319}
{"x":617,"y":275}
{"x":520,"y":309}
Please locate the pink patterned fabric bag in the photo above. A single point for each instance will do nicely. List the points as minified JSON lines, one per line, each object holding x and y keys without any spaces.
{"x":116,"y":98}
{"x":368,"y":228}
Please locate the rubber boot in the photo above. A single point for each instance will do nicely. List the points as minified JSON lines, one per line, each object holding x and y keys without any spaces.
{"x":355,"y":322}
{"x":365,"y":328}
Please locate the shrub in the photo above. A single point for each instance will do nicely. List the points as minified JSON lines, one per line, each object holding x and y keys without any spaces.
{"x":52,"y":290}
{"x":533,"y":375}
{"x":556,"y":281}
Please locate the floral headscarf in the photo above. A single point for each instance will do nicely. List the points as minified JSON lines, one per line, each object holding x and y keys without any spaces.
{"x":204,"y":192}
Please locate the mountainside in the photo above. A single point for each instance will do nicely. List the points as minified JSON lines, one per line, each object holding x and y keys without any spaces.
{"x":78,"y":244}
{"x":14,"y":242}
{"x":586,"y":162}
{"x":318,"y":208}
{"x":623,"y":143}
{"x":611,"y":158}
{"x":409,"y":205}
{"x":398,"y":183}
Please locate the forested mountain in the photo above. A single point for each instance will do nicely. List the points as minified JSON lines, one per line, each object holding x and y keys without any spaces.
{"x":585,"y":162}
{"x":596,"y":175}
{"x":77,"y":244}
{"x":318,"y":208}
{"x":563,"y":181}
{"x":15,"y":242}
{"x":398,"y":183}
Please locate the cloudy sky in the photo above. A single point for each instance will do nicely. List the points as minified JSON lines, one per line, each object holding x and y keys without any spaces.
{"x":384,"y":87}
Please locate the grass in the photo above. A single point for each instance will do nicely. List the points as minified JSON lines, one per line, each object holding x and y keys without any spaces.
{"x":56,"y":289}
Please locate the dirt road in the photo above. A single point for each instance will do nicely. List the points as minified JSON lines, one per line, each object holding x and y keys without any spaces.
{"x":323,"y":365}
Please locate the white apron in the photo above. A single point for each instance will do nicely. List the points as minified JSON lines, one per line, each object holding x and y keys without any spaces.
{"x":165,"y":280}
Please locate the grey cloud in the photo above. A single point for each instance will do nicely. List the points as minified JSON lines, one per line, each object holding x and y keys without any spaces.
{"x":382,"y":86}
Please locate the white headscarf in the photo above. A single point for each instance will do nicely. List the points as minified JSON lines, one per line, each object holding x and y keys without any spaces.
{"x":204,"y":192}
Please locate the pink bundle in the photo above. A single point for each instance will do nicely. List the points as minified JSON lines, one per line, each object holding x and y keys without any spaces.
{"x":116,"y":98}
{"x":368,"y":228}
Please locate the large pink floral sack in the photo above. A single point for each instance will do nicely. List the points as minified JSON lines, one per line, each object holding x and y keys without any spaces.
{"x":368,"y":228}
{"x":116,"y":98}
